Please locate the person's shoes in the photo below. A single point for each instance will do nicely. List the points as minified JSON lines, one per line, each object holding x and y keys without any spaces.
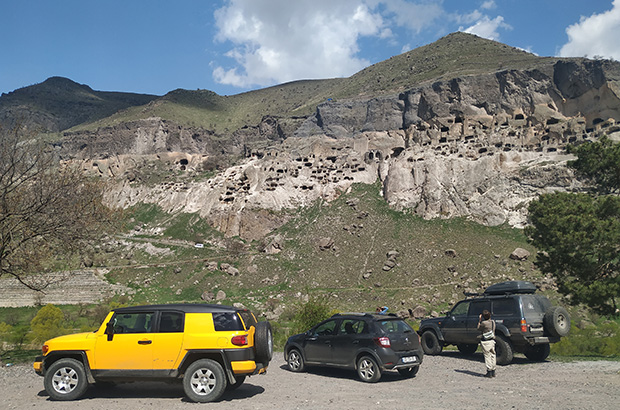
{"x":492,"y":373}
{"x":489,"y":373}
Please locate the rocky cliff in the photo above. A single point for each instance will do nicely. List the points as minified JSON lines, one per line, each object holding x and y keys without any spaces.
{"x":479,"y":146}
{"x":461,"y":141}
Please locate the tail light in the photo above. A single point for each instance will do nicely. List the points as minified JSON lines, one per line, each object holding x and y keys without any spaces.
{"x":45,"y":349}
{"x":523,"y":325}
{"x":383,"y":341}
{"x":239,"y":340}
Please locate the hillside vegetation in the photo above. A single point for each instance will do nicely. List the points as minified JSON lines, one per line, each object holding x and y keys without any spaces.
{"x":457,"y":54}
{"x":336,"y":250}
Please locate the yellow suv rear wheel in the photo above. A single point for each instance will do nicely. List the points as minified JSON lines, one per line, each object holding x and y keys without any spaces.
{"x":204,"y":381}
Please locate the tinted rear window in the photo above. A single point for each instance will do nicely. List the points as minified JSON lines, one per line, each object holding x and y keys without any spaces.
{"x":227,"y":321}
{"x":394,"y":326}
{"x":535,"y":304}
{"x":505,"y":307}
{"x":248,"y":318}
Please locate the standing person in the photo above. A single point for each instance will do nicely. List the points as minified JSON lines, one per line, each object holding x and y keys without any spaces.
{"x":487,"y":341}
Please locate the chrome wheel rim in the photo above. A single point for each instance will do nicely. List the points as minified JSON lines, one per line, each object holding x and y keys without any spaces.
{"x":203,"y":381}
{"x":294,"y":361}
{"x":65,"y":380}
{"x":366,"y":369}
{"x":562,"y":323}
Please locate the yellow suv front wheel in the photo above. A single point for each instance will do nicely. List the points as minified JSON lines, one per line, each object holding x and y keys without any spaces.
{"x":66,"y":380}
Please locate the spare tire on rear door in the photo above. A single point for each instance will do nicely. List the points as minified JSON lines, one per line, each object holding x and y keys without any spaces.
{"x":263,"y":342}
{"x":557,"y":321}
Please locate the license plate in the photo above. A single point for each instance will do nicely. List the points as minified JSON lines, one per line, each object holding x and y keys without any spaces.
{"x":409,"y":359}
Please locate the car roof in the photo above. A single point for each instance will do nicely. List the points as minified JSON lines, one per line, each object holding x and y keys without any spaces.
{"x":182,"y":307}
{"x":375,"y":316}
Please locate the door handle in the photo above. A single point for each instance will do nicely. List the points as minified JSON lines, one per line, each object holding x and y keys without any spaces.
{"x":145,"y":342}
{"x":355,"y":342}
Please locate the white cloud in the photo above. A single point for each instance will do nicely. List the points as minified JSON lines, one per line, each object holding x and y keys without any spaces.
{"x":279,"y":40}
{"x":275,"y":41}
{"x":596,"y":35}
{"x":488,"y":5}
{"x":488,"y":28}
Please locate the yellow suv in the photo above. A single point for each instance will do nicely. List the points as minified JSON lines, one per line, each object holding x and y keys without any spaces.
{"x":212,"y":348}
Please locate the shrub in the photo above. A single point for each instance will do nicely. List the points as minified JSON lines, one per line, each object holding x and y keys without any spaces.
{"x":47,"y":324}
{"x":310,"y":313}
{"x":601,"y":340}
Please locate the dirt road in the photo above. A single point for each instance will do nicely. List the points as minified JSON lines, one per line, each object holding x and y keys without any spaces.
{"x":448,"y":381}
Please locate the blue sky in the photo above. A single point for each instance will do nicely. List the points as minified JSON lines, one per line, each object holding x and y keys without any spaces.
{"x":232,"y":46}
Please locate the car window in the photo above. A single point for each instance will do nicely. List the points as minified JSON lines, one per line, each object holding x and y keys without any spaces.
{"x":248,"y":318}
{"x":533,"y":304}
{"x":171,"y":322}
{"x":133,"y":322}
{"x":324,"y":329}
{"x":395,"y":326}
{"x":504,"y":307}
{"x":476,"y":307}
{"x":353,"y":326}
{"x":460,"y":309}
{"x":227,"y":321}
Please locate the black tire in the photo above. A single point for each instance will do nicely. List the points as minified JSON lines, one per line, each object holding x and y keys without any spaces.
{"x":430,"y":343}
{"x":295,"y":361}
{"x":503,"y":351}
{"x":204,"y":381}
{"x":368,"y":370}
{"x":467,"y":348}
{"x":537,"y":353}
{"x":557,"y":321}
{"x":409,"y":372}
{"x":238,"y":382}
{"x":65,"y":380}
{"x":263,"y":342}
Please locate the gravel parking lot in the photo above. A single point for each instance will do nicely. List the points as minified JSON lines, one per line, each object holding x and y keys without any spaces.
{"x":449,"y":381}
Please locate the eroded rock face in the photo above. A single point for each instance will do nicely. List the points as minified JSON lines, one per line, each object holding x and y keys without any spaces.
{"x":480,"y":147}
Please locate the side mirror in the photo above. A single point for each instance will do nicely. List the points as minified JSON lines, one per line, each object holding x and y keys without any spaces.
{"x":109,"y":330}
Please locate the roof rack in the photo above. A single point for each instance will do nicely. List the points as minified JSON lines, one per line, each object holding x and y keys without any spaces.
{"x":511,"y":287}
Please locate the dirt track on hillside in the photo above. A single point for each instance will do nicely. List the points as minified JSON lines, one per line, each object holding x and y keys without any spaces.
{"x":448,"y":381}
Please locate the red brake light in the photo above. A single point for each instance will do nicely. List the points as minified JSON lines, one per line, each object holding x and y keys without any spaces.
{"x":383,"y":341}
{"x":523,"y":325}
{"x":45,"y":349}
{"x":240,"y":340}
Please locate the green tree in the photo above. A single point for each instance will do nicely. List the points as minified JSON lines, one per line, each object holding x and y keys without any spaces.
{"x":579,"y":233}
{"x":598,"y":162}
{"x":580,"y":237}
{"x":46,"y":208}
{"x":47,"y":324}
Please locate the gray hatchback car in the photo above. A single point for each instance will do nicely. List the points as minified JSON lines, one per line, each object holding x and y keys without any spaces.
{"x":369,"y":343}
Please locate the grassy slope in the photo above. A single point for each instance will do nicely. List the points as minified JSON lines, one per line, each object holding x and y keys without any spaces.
{"x":362,"y":237}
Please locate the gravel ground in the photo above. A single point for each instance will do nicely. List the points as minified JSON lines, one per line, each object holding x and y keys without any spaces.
{"x":449,"y":381}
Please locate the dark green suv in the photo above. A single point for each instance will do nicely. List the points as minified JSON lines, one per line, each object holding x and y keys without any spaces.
{"x":526,"y":323}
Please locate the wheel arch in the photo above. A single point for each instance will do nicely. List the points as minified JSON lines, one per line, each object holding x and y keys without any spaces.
{"x":215,"y":355}
{"x":287,"y":350}
{"x":367,"y":352}
{"x":79,"y":355}
{"x":502,"y":330}
{"x":433,"y":327}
